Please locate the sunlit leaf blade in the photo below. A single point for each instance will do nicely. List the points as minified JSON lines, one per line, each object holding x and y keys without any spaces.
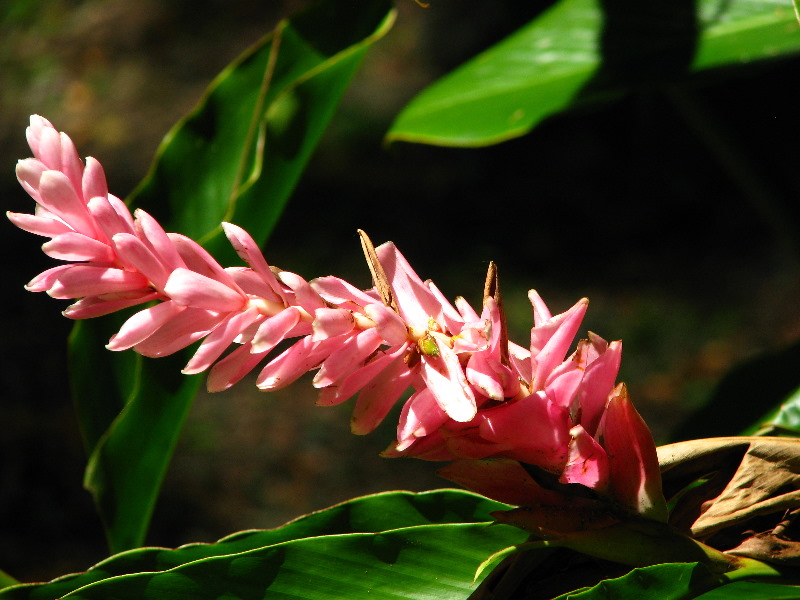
{"x":394,"y":564}
{"x":672,"y":581}
{"x":582,"y":51}
{"x":389,"y":545}
{"x":259,"y":121}
{"x":378,"y":512}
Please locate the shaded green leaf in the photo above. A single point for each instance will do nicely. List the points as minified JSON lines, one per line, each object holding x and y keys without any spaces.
{"x":374,"y":513}
{"x":6,"y":580}
{"x":783,"y":420}
{"x":751,"y":590}
{"x":672,"y":581}
{"x":582,"y":51}
{"x":744,"y":394}
{"x":236,"y":157}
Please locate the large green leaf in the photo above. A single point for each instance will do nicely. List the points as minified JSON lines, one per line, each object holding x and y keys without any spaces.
{"x":417,"y":519}
{"x":672,"y":581}
{"x":236,"y":157}
{"x":582,"y":51}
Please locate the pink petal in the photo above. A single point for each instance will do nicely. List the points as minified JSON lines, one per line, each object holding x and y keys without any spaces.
{"x":275,"y":329}
{"x":29,"y":174}
{"x":349,"y":356}
{"x":137,"y":257}
{"x":142,"y":325}
{"x":338,"y":291}
{"x":520,"y":359}
{"x":232,"y":368}
{"x":379,"y":395}
{"x":565,"y":380}
{"x":288,"y":366}
{"x":38,"y":225}
{"x":46,"y":279}
{"x":192,"y":289}
{"x":154,"y":236}
{"x":58,"y":196}
{"x":197,"y":259}
{"x":249,"y":252}
{"x":633,"y":462}
{"x":467,"y":312}
{"x":87,"y":280}
{"x":535,"y":429}
{"x":388,"y":323}
{"x":77,"y":247}
{"x":341,"y":391}
{"x":106,"y":218}
{"x":445,"y":378}
{"x":559,"y":333}
{"x":93,"y":182}
{"x":421,"y":416}
{"x":48,"y":147}
{"x":33,"y":133}
{"x":71,"y":164}
{"x":122,"y":210}
{"x":330,"y":322}
{"x":415,"y":301}
{"x":541,"y":314}
{"x":452,"y":318}
{"x":218,"y":341}
{"x":305,"y":295}
{"x":598,"y":383}
{"x":252,"y":284}
{"x":97,"y":306}
{"x":587,"y":463}
{"x":185,"y":328}
{"x":481,"y":373}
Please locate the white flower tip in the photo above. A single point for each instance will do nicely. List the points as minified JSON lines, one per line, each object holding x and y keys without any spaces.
{"x":463,"y":412}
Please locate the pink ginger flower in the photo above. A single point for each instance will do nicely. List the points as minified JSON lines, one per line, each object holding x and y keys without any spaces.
{"x":524,"y":426}
{"x":569,"y":425}
{"x":358,"y":340}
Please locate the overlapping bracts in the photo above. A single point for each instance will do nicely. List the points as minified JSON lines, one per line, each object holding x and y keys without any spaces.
{"x":495,"y":408}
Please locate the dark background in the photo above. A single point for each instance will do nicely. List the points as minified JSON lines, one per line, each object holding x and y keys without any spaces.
{"x":673,"y":208}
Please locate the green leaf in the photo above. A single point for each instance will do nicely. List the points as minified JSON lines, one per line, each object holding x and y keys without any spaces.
{"x":751,"y":590}
{"x":370,"y":514}
{"x":582,"y":51}
{"x":671,"y":581}
{"x":744,"y":394}
{"x":6,"y":580}
{"x":783,"y":420}
{"x":236,"y":157}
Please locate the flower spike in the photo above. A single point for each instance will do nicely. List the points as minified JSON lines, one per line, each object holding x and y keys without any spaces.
{"x":535,"y":427}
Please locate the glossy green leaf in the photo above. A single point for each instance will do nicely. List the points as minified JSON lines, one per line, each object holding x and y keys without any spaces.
{"x":374,"y":513}
{"x":752,"y":590}
{"x":396,"y":544}
{"x":783,"y":420}
{"x":672,"y":581}
{"x":6,"y":580}
{"x":428,"y":561}
{"x":582,"y":51}
{"x":236,"y":157}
